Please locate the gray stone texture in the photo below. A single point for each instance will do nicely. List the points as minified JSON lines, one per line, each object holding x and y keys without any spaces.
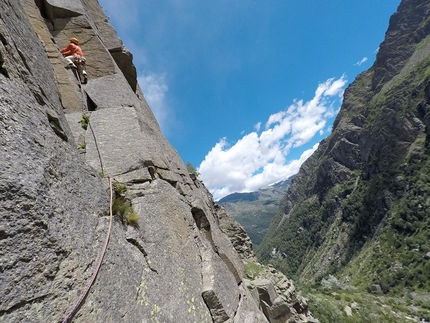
{"x":277,"y":297}
{"x":63,"y":9}
{"x":124,"y":60}
{"x":175,"y":264}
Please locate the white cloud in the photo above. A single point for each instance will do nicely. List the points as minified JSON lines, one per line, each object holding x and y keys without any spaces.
{"x":154,"y":88}
{"x":259,"y":159}
{"x":363,"y":60}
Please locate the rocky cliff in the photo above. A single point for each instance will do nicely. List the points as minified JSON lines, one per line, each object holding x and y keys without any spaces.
{"x":359,"y":206}
{"x":173,"y":254}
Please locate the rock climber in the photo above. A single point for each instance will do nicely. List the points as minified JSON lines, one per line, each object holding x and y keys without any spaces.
{"x":75,"y":59}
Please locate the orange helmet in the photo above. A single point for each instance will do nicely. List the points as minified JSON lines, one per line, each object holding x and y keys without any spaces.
{"x":74,"y":40}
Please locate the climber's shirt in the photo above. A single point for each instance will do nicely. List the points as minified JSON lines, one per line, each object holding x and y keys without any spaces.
{"x":71,"y":50}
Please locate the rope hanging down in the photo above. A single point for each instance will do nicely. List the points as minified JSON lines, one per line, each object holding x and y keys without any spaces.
{"x":99,"y":263}
{"x":85,"y":111}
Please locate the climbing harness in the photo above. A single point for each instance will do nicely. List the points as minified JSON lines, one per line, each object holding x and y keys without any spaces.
{"x":77,"y":64}
{"x":78,"y":69}
{"x":99,"y":263}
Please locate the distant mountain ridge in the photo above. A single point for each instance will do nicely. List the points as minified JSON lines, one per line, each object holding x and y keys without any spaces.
{"x":255,"y":210}
{"x":240,"y":197}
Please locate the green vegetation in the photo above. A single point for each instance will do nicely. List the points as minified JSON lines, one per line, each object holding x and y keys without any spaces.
{"x":132,"y":218}
{"x":192,"y":170}
{"x":85,"y":120}
{"x":304,"y":231}
{"x":122,"y":207}
{"x":119,"y":188}
{"x":125,"y":210}
{"x":333,"y":306}
{"x":370,"y":224}
{"x":252,"y":270}
{"x":383,"y":246}
{"x":359,"y":209}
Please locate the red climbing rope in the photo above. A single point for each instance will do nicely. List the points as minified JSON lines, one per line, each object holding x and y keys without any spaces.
{"x":99,"y":263}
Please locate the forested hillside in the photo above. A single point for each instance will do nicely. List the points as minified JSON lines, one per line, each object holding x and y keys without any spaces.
{"x":359,"y":208}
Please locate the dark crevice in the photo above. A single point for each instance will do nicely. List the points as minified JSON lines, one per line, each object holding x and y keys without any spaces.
{"x":204,"y":226}
{"x":200,"y":219}
{"x":2,"y":60}
{"x":148,"y":163}
{"x":3,"y":70}
{"x":41,"y":5}
{"x":3,"y":40}
{"x":38,"y":97}
{"x":88,"y":266}
{"x":3,"y":234}
{"x":215,"y":307}
{"x":137,"y":180}
{"x":152,"y":172}
{"x":54,"y":122}
{"x":139,"y":246}
{"x":91,"y":106}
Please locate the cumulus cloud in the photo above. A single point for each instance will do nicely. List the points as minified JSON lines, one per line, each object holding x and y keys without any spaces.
{"x":259,"y":158}
{"x":154,"y":87}
{"x":363,"y":60}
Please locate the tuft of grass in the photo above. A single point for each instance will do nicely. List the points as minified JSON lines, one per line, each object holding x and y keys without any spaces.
{"x":122,"y":207}
{"x":85,"y":120}
{"x":192,"y":170}
{"x":252,"y":270}
{"x":83,"y":145}
{"x":119,"y":188}
{"x":133,"y":219}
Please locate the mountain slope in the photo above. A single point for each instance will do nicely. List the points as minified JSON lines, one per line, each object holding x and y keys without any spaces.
{"x":359,"y":206}
{"x":255,"y":210}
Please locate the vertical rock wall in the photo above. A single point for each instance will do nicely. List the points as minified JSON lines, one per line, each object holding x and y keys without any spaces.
{"x":175,"y":264}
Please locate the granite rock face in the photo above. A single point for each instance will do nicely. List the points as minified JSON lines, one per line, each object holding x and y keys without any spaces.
{"x":175,"y":263}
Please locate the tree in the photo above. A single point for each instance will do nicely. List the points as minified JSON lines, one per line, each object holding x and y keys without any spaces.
{"x":192,"y":170}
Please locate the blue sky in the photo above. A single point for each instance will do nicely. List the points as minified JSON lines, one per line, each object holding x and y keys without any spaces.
{"x":245,"y":90}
